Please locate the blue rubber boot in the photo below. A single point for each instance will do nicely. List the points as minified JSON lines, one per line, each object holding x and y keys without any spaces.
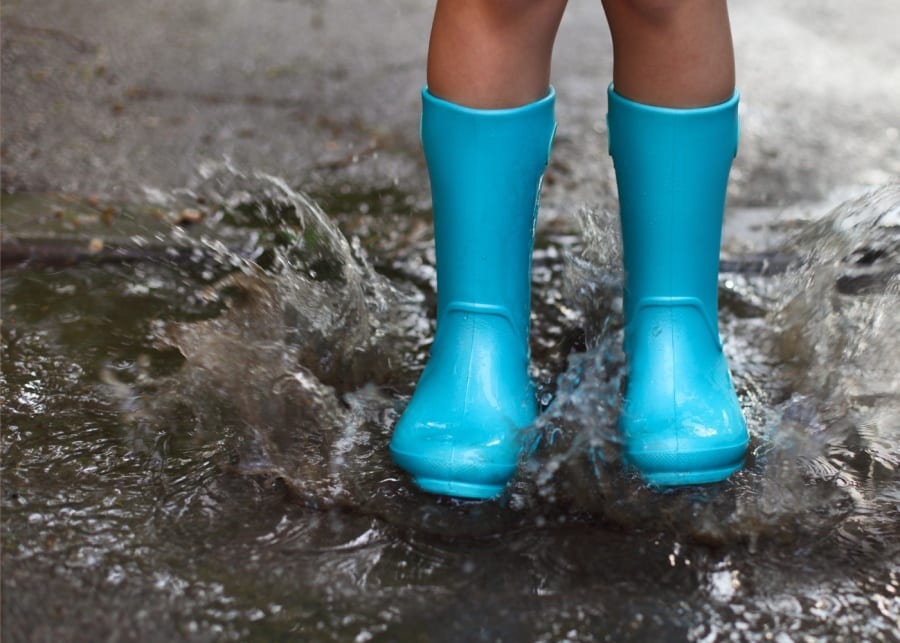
{"x":681,"y":422}
{"x":462,"y":432}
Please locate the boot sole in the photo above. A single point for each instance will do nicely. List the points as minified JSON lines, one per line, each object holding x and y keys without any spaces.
{"x":468,"y":490}
{"x":663,"y":476}
{"x":690,"y":478}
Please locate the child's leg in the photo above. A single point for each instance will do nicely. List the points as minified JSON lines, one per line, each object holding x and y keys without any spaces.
{"x":492,"y":54}
{"x":487,"y":123}
{"x":673,"y":133}
{"x":672,"y":53}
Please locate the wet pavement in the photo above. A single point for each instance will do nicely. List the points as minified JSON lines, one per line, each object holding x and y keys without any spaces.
{"x":105,"y":98}
{"x":154,"y":165}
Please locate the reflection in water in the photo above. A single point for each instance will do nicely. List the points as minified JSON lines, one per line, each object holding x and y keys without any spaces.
{"x":199,"y":450}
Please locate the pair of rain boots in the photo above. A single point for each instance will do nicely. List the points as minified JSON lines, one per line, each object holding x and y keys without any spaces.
{"x":462,"y":433}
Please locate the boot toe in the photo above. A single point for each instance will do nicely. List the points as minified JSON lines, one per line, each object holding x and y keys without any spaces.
{"x":468,"y":458}
{"x":686,"y":446}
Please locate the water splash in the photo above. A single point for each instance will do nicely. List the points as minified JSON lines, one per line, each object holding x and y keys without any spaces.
{"x":823,"y":416}
{"x":305,"y":330}
{"x":322,"y":339}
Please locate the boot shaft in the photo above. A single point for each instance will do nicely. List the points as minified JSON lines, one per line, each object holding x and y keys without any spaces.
{"x":485,"y":168}
{"x":672,"y":170}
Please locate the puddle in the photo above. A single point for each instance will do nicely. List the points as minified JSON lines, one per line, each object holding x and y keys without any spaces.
{"x":199,"y":392}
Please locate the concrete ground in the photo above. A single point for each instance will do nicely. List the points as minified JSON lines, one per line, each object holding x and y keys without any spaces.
{"x":110,"y":98}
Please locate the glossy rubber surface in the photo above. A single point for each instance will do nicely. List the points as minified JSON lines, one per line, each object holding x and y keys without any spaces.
{"x":462,"y":432}
{"x":681,"y":422}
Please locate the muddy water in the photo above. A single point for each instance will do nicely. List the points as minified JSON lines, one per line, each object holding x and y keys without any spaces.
{"x":195,"y":441}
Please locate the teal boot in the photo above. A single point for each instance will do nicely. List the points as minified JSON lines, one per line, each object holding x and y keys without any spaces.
{"x":462,"y":432}
{"x":681,"y":422}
